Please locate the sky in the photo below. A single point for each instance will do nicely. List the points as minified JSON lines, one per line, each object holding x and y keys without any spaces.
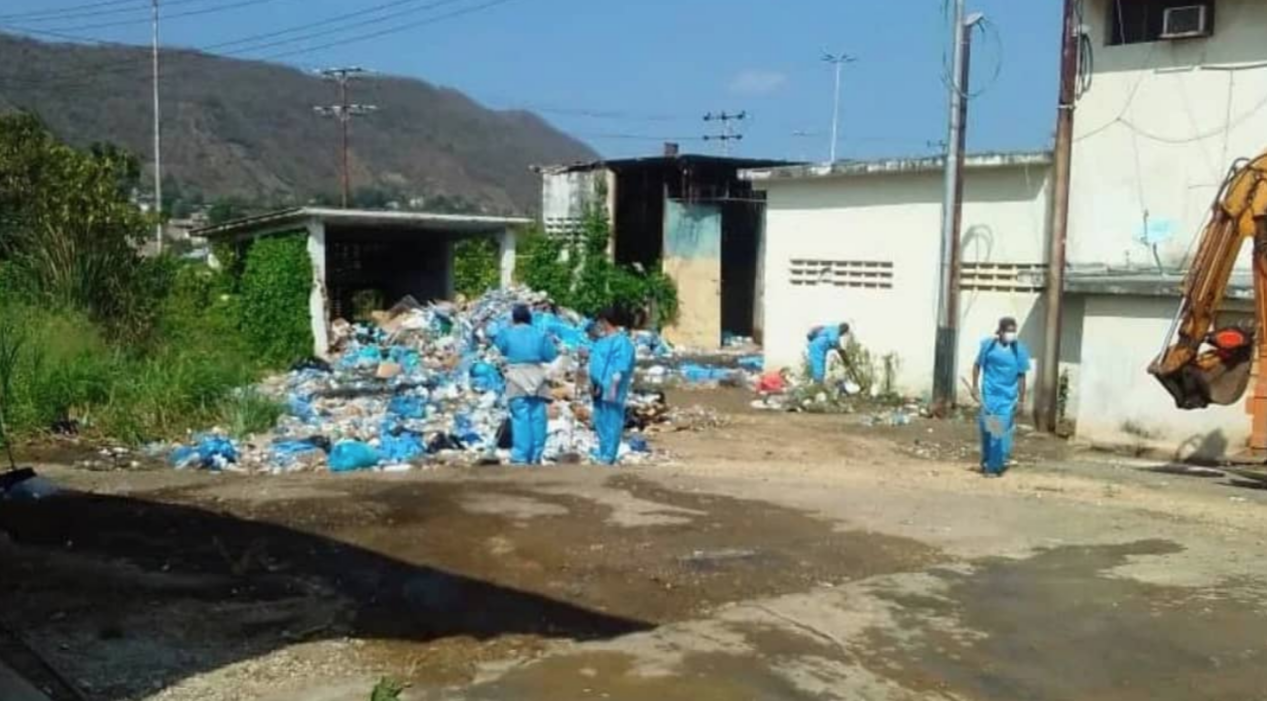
{"x":626,"y":75}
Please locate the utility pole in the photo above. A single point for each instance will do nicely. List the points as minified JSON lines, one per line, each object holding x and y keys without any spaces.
{"x":728,"y":133}
{"x":344,"y":111}
{"x":947,"y":343}
{"x":1046,"y":413}
{"x":838,"y":60}
{"x":158,"y":141}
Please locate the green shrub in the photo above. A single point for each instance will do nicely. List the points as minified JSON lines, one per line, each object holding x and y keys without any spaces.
{"x":476,"y":268}
{"x":578,"y":274}
{"x":275,"y":286}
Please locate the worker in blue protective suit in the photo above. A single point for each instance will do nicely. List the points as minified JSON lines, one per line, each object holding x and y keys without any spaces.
{"x":998,"y":384}
{"x":527,"y":351}
{"x":823,"y":340}
{"x":611,"y":369}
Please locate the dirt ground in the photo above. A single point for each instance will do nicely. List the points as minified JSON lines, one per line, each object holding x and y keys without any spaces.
{"x":778,"y":557}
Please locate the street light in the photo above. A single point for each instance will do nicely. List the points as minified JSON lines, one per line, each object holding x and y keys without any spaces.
{"x":838,"y":60}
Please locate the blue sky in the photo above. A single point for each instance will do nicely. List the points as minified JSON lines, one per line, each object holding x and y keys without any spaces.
{"x":623,"y":74}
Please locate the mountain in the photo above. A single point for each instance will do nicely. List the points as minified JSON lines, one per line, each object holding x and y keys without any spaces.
{"x":247,"y":129}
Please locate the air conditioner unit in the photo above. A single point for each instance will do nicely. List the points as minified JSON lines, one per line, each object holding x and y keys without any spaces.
{"x":1185,"y":22}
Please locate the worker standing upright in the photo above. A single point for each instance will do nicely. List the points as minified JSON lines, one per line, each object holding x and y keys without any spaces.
{"x":1003,"y":362}
{"x":527,"y":351}
{"x":611,"y":368}
{"x":823,"y":340}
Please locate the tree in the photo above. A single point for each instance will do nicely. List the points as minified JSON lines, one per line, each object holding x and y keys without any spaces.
{"x":68,"y":226}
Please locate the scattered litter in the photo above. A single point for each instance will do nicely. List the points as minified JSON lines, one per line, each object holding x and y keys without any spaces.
{"x":424,"y":384}
{"x":24,"y":484}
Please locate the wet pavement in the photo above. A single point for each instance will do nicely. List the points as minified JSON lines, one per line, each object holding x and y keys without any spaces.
{"x":834,"y":575}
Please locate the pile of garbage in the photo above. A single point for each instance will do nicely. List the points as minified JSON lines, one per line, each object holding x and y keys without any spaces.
{"x":423,"y":384}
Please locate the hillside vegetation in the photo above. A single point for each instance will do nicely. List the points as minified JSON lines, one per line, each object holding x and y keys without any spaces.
{"x":246,"y":129}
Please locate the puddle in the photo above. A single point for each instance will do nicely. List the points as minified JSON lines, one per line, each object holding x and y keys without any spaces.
{"x":1061,"y":626}
{"x":612,"y":675}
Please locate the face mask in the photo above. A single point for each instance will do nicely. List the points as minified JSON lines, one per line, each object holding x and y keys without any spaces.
{"x":1009,"y":337}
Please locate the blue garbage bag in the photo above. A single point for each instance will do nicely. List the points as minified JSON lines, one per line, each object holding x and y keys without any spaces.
{"x":464,"y":430}
{"x":300,"y":408}
{"x":407,"y":406}
{"x":487,"y":378}
{"x":695,"y":373}
{"x":349,"y":456}
{"x":285,"y":453}
{"x":209,"y":453}
{"x":752,"y":362}
{"x":369,"y":355}
{"x":400,"y":446}
{"x":407,"y":358}
{"x":638,"y":444}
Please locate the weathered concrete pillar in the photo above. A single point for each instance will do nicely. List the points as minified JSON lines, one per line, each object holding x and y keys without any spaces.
{"x":507,"y":258}
{"x":450,"y":288}
{"x":318,"y":302}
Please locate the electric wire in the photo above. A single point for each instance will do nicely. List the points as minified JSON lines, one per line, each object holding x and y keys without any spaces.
{"x":252,"y":42}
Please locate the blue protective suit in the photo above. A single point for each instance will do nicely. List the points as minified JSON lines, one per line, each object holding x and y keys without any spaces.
{"x":1002,"y":367}
{"x":611,"y":370}
{"x":821,"y":342}
{"x":523,"y":345}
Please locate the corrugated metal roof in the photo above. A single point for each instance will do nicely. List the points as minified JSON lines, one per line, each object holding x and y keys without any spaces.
{"x":890,"y":166}
{"x":370,"y":218}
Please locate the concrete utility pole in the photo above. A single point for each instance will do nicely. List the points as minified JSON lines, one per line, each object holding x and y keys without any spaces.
{"x":838,"y":60}
{"x":728,"y":133}
{"x":158,"y":141}
{"x":947,"y":342}
{"x":344,"y":111}
{"x":1046,"y":410}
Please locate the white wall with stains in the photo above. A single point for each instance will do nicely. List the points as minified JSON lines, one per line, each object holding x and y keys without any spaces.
{"x":1156,"y":133}
{"x":891,"y":221}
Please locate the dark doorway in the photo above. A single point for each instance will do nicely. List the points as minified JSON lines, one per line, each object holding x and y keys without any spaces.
{"x":740,"y":246}
{"x":383,"y":265}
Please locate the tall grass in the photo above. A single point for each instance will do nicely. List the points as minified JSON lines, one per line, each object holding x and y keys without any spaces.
{"x":66,"y":369}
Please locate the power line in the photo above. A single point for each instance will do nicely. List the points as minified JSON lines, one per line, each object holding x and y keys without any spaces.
{"x":133,"y":8}
{"x":728,"y":132}
{"x":344,"y":111}
{"x":69,"y":9}
{"x":393,"y":30}
{"x":238,"y":4}
{"x":129,"y":64}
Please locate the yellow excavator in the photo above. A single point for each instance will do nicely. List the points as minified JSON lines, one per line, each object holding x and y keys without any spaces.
{"x":1202,"y":364}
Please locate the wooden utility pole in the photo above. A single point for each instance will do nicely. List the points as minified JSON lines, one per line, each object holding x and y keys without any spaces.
{"x":344,"y":111}
{"x":947,"y":339}
{"x":158,"y":138}
{"x":1046,"y":413}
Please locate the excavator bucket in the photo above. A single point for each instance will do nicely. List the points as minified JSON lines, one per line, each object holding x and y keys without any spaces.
{"x":1216,"y":376}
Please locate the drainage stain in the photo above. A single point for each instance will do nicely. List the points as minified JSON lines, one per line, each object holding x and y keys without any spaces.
{"x":613,"y":675}
{"x":1057,"y":626}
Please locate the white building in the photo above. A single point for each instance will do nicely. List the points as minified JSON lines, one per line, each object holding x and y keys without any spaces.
{"x":1155,"y":134}
{"x":859,"y":242}
{"x":1157,"y":126}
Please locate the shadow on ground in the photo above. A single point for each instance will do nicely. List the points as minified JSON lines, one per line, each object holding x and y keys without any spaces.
{"x":96,"y":573}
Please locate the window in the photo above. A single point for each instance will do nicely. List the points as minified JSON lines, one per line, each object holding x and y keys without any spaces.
{"x":1002,"y":277}
{"x":1139,"y":21}
{"x":862,"y":274}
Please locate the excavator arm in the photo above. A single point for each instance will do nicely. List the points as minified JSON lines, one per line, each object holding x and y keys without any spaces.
{"x":1201,"y":365}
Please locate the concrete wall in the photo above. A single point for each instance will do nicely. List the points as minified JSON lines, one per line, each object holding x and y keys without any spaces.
{"x":565,"y":197}
{"x":1158,"y":130}
{"x":692,"y":259}
{"x":1123,"y":405}
{"x":878,"y":235}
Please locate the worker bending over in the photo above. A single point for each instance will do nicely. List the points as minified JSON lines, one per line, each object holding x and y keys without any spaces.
{"x":527,"y":351}
{"x":611,"y":368}
{"x":1003,"y":361}
{"x":824,"y":340}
